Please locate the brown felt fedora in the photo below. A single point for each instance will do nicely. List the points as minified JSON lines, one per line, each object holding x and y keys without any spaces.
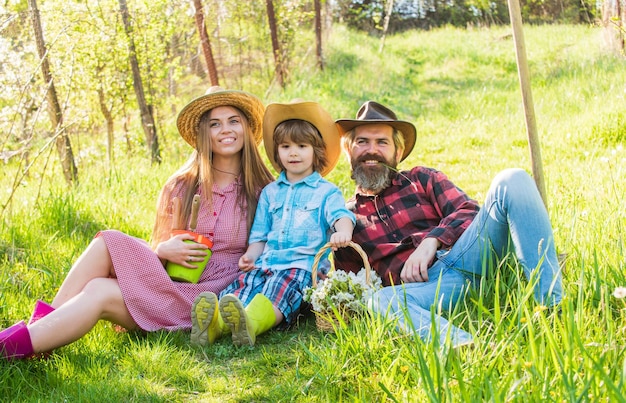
{"x":374,"y":113}
{"x":250,"y":105}
{"x":311,"y":112}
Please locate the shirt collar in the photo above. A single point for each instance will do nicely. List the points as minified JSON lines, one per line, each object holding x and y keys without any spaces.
{"x":232,"y":187}
{"x":311,"y":180}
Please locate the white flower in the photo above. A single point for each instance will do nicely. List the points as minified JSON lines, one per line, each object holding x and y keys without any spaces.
{"x":620,"y":292}
{"x":343,"y":290}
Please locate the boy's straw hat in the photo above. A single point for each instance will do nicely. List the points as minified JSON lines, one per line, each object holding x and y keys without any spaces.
{"x":311,"y":112}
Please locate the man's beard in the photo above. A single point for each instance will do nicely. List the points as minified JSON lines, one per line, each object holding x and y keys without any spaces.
{"x":373,"y":178}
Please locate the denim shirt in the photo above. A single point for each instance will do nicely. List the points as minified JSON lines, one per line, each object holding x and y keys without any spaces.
{"x":295,"y":220}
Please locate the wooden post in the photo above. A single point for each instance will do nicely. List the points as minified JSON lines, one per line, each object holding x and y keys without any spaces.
{"x":527,"y":98}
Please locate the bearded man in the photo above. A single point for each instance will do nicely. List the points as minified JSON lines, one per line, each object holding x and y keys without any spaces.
{"x":427,"y":239}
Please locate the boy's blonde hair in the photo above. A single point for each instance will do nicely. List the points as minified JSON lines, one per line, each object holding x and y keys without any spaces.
{"x":301,"y":132}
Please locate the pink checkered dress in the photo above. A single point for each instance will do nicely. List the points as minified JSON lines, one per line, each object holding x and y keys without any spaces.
{"x":152,"y":298}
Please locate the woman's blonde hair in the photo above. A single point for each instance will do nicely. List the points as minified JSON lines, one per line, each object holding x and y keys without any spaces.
{"x":197,"y":173}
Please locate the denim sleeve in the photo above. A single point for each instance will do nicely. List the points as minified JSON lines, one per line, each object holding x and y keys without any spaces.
{"x":262,"y":220}
{"x":335,"y":207}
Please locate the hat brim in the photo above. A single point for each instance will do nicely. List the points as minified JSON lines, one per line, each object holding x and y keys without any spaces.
{"x":406,"y":128}
{"x":189,"y":117}
{"x":311,"y":112}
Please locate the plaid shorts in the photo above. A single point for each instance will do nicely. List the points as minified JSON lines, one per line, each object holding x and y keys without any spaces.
{"x":284,"y":288}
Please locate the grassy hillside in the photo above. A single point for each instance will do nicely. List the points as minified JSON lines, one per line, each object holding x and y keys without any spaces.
{"x":461,"y":90}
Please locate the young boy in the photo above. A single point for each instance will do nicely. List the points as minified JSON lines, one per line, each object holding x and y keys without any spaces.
{"x":296,"y":215}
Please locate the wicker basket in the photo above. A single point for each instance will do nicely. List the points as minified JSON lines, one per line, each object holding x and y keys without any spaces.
{"x":327,"y":321}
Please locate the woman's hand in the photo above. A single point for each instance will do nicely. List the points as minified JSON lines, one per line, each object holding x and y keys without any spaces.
{"x":177,"y":251}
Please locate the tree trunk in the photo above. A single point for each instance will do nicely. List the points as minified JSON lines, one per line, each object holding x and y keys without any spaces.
{"x":126,"y":129}
{"x":318,"y":33}
{"x":386,"y":24}
{"x":271,"y":17}
{"x":614,"y":22}
{"x":147,"y":120}
{"x":108,"y":117}
{"x":63,"y":144}
{"x":106,"y":112}
{"x":205,"y":42}
{"x":172,"y":88}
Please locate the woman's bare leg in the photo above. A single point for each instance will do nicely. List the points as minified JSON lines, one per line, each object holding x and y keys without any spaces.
{"x":95,"y":262}
{"x":101,"y":298}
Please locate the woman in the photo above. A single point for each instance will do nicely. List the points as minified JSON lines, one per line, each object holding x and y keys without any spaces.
{"x":122,"y":279}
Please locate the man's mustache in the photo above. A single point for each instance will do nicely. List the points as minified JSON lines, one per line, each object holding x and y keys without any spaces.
{"x":371,"y":157}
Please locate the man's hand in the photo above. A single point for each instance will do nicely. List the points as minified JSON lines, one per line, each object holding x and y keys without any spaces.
{"x":416,"y":266}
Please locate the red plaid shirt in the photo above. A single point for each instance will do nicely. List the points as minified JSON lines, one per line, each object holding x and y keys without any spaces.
{"x":418,"y":204}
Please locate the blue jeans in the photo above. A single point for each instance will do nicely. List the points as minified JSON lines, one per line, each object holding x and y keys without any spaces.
{"x":513,"y":218}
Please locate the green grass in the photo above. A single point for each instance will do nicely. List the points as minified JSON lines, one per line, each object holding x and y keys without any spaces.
{"x":462,"y":91}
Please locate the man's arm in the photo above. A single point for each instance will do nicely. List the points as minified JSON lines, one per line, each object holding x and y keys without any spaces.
{"x":456,"y":209}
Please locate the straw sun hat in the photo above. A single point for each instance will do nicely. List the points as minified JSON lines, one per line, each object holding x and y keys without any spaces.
{"x":374,"y":113}
{"x":189,"y":116}
{"x":311,"y":112}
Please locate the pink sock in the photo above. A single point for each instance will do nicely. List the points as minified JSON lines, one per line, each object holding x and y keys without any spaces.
{"x":41,"y":310}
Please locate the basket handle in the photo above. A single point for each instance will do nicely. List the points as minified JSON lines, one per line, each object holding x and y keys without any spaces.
{"x":356,"y":247}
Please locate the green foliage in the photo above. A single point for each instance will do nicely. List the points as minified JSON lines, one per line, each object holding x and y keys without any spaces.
{"x":89,"y":56}
{"x":612,"y":131}
{"x":460,"y":88}
{"x":367,"y":15}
